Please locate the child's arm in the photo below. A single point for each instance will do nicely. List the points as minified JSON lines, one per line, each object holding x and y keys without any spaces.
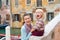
{"x":41,"y":28}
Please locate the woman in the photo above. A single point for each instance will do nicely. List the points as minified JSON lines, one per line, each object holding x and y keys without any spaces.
{"x":26,"y":30}
{"x":39,"y":26}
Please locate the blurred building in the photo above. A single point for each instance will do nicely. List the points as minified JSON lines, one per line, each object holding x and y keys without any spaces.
{"x":5,"y":12}
{"x":19,"y":7}
{"x":6,"y":2}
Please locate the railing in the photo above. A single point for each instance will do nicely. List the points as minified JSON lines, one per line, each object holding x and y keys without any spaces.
{"x":49,"y":28}
{"x":8,"y":37}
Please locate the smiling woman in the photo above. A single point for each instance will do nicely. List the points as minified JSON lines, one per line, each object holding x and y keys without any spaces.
{"x":26,"y":30}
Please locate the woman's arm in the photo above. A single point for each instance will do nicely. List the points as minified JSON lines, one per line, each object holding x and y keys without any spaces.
{"x":24,"y":35}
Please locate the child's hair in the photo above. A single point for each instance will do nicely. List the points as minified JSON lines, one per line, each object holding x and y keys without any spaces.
{"x":26,"y":14}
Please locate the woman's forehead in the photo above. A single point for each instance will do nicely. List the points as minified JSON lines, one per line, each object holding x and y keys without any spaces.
{"x":27,"y":16}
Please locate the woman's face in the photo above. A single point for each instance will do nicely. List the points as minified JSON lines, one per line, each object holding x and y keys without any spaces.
{"x":27,"y":19}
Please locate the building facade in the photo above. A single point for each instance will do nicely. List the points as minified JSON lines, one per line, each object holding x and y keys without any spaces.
{"x":19,"y":7}
{"x":5,"y":12}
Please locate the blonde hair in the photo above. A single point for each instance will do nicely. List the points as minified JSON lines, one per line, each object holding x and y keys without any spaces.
{"x":40,"y":10}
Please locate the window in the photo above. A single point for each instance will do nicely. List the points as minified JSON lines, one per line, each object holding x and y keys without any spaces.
{"x":16,"y":3}
{"x":50,"y":16}
{"x":50,"y":1}
{"x":3,"y":2}
{"x":39,"y":3}
{"x":7,"y":2}
{"x":16,"y":17}
{"x":28,"y":2}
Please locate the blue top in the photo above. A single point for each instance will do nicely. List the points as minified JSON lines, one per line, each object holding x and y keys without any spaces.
{"x":24,"y":35}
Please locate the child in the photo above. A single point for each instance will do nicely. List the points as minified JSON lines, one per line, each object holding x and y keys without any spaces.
{"x":39,"y":26}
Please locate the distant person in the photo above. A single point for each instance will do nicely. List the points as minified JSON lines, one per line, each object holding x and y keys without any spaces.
{"x":5,"y":15}
{"x":26,"y":30}
{"x":39,"y":25}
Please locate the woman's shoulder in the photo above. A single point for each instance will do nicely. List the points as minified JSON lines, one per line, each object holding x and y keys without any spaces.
{"x":23,"y":27}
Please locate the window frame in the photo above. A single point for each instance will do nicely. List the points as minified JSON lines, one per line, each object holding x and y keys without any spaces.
{"x":50,"y":13}
{"x":16,"y":3}
{"x":40,"y":5}
{"x":50,"y":1}
{"x":29,"y":3}
{"x":14,"y":17}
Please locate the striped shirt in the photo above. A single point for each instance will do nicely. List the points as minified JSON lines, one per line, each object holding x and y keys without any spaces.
{"x":39,"y":24}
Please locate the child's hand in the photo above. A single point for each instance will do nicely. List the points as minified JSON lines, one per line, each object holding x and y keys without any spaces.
{"x":41,"y":28}
{"x":32,"y":30}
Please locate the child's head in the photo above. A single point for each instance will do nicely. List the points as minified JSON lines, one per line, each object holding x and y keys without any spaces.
{"x":27,"y":19}
{"x":39,"y":13}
